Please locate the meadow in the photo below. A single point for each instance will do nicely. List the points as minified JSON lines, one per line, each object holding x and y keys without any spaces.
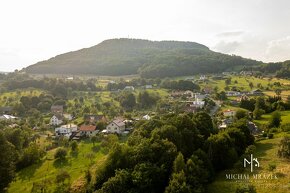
{"x":76,"y":164}
{"x":266,"y":153}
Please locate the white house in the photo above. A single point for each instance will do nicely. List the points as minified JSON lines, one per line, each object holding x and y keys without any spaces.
{"x":68,"y":116}
{"x":202,"y":77}
{"x":88,"y":130}
{"x":198,"y":100}
{"x":148,"y":86}
{"x":66,"y":130}
{"x":116,"y":126}
{"x":146,"y":117}
{"x":229,"y":113}
{"x":7,"y":117}
{"x":56,"y":120}
{"x":233,"y":93}
{"x":129,"y":88}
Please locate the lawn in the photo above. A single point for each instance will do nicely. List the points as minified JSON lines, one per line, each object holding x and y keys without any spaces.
{"x":267,"y":154}
{"x":75,"y":165}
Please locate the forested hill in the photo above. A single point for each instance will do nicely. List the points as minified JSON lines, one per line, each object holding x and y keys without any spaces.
{"x":148,"y":58}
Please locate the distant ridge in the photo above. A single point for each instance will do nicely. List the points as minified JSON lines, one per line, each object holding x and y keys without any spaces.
{"x":148,"y":58}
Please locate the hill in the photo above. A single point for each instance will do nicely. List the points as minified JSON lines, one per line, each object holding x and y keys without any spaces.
{"x":148,"y":58}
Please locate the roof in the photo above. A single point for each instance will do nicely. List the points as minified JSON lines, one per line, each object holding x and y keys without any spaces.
{"x":8,"y":117}
{"x":58,"y":116}
{"x":57,"y":107}
{"x":229,"y":110}
{"x":119,"y":122}
{"x":88,"y":128}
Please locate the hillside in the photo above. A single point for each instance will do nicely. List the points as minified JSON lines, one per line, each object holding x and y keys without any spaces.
{"x":148,"y":58}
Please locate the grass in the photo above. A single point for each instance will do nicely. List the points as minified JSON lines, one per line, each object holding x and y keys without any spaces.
{"x":47,"y":169}
{"x":267,"y":154}
{"x":285,"y":116}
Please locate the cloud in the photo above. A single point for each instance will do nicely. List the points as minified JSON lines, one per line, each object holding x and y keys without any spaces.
{"x":230,"y":34}
{"x":227,"y":47}
{"x":278,"y":50}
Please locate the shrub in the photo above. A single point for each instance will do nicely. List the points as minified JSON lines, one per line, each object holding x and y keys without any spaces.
{"x":60,"y":153}
{"x":271,"y":167}
{"x":284,"y":148}
{"x":246,"y":189}
{"x":270,"y":135}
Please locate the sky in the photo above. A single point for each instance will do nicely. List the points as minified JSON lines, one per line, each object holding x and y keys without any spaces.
{"x":36,"y":30}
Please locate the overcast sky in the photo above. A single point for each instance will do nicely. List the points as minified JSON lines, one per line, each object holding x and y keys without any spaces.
{"x":35,"y":30}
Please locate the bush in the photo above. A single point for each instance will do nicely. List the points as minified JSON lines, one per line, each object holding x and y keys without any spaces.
{"x":270,"y":135}
{"x":284,"y":148}
{"x":250,"y":149}
{"x":74,"y":146}
{"x":247,"y":189}
{"x":271,"y":167}
{"x":60,"y":153}
{"x":264,"y":135}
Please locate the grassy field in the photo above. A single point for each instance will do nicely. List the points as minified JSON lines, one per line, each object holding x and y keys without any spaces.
{"x":46,"y":170}
{"x":285,"y":116}
{"x":267,"y":154}
{"x":242,"y":83}
{"x":284,"y":94}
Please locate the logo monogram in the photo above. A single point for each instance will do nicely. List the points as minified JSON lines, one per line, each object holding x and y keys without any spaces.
{"x":251,"y":162}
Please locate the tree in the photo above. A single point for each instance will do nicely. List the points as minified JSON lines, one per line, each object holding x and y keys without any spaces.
{"x":251,"y":85}
{"x":241,"y":114}
{"x":8,"y":157}
{"x":275,"y":120}
{"x":278,"y":92}
{"x":94,"y":139}
{"x":178,"y":184}
{"x":178,"y":164}
{"x":203,"y":123}
{"x":128,"y":100}
{"x":258,"y":113}
{"x":61,"y":177}
{"x":284,"y":148}
{"x":74,"y":146}
{"x":60,"y":153}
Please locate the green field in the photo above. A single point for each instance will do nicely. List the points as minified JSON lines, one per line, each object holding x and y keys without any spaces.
{"x":285,"y":116}
{"x":266,"y":153}
{"x":48,"y":168}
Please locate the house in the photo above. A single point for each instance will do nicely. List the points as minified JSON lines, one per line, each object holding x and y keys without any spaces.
{"x":229,"y":113}
{"x":225,"y":123}
{"x":94,"y":118}
{"x":243,"y":97}
{"x":66,"y":130}
{"x":189,"y":93}
{"x":253,"y":128}
{"x":257,"y":92}
{"x":208,"y":90}
{"x":175,"y":94}
{"x":8,"y":117}
{"x":148,"y":86}
{"x":116,"y":126}
{"x":68,"y":116}
{"x":198,"y":100}
{"x":146,"y":117}
{"x":56,"y":120}
{"x":6,"y":110}
{"x":233,"y":93}
{"x":88,"y":130}
{"x":129,"y":88}
{"x":56,"y":109}
{"x":202,"y":77}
